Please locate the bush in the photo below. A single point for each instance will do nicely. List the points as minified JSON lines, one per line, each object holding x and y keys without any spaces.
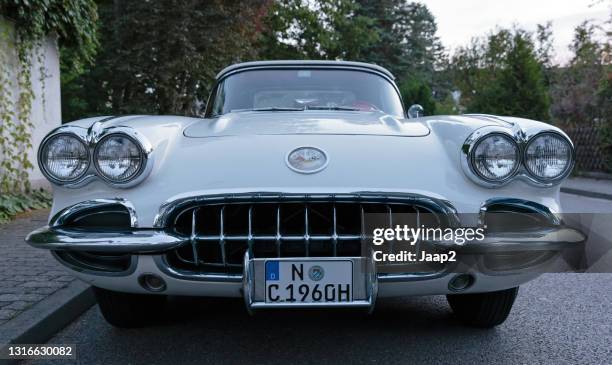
{"x":13,"y":204}
{"x":415,"y":91}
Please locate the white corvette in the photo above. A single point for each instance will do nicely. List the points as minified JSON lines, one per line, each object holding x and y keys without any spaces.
{"x":306,"y":184}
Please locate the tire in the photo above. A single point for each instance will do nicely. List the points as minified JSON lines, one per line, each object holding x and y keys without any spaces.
{"x":126,"y":310}
{"x":483,"y":310}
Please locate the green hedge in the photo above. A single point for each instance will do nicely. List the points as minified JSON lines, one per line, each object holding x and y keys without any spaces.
{"x":13,"y":204}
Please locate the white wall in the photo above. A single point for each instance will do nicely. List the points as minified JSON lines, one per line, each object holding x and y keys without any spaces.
{"x":44,"y":118}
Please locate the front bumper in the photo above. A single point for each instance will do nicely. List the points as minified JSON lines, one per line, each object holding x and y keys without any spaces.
{"x":147,"y":247}
{"x":150,"y":241}
{"x":105,"y":241}
{"x":503,"y":259}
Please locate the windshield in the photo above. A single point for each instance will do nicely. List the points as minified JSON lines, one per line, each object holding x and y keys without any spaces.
{"x":306,"y":89}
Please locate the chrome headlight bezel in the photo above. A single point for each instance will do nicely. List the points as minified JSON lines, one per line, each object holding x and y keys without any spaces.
{"x":90,"y":138}
{"x":521,"y":172}
{"x":43,"y":160}
{"x":142,"y":157}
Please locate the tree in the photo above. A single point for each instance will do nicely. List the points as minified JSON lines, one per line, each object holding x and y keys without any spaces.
{"x":387,"y":50}
{"x":545,"y":50}
{"x":502,"y":75}
{"x":162,"y":56}
{"x":319,"y":29}
{"x":575,"y":89}
{"x":582,"y":91}
{"x":396,"y":34}
{"x":407,"y":44}
{"x":414,"y":91}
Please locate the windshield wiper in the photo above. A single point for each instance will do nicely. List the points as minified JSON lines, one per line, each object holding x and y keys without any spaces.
{"x":289,"y":109}
{"x":336,"y":107}
{"x":271,"y":109}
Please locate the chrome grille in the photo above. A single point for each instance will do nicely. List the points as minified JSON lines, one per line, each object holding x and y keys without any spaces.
{"x":222,"y":230}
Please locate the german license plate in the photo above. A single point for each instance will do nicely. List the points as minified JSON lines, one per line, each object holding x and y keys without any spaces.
{"x":309,"y":281}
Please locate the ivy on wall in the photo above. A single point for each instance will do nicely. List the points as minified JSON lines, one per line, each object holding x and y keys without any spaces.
{"x":23,"y":27}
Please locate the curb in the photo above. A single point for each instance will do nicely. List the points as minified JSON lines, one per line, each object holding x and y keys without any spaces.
{"x":590,"y":194}
{"x":44,"y":319}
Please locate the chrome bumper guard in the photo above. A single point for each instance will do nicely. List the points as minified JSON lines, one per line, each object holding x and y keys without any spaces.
{"x":254,"y":296}
{"x":124,"y":241}
{"x":546,"y":239}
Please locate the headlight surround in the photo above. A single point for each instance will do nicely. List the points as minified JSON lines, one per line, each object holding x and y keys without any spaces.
{"x":548,"y":157}
{"x":119,"y":158}
{"x":64,"y":158}
{"x":495,"y":157}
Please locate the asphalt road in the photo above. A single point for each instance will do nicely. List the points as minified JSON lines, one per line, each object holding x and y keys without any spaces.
{"x":556,"y":319}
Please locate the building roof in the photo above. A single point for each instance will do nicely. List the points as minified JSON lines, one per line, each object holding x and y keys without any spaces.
{"x":304,"y":63}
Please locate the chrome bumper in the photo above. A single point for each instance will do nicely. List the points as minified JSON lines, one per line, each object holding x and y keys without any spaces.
{"x":157,"y":241}
{"x":127,"y":241}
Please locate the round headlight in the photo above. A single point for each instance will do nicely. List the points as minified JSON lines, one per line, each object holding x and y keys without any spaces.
{"x":118,"y":158}
{"x":548,"y":156}
{"x":64,"y":158}
{"x":495,"y":157}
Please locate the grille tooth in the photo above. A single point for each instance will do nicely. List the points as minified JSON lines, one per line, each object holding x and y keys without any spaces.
{"x":221,"y":232}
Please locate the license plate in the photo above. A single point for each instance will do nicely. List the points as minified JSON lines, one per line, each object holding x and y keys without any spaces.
{"x":309,"y":281}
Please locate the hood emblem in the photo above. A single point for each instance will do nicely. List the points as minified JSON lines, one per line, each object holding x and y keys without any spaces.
{"x":307,"y":160}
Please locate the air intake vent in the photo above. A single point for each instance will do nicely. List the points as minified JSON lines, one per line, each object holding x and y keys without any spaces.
{"x":111,"y":216}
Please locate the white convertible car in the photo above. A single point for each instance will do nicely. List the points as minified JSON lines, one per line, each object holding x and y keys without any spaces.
{"x":306,"y":184}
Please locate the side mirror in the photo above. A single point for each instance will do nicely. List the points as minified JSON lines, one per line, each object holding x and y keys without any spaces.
{"x":415,"y":111}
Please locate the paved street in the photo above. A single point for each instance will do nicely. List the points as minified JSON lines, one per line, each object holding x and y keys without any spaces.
{"x":558,"y":318}
{"x":27,"y":275}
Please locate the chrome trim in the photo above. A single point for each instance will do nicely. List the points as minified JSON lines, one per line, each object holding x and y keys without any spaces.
{"x":162,"y":265}
{"x":522,"y":138}
{"x":170,"y":211}
{"x":173,"y":207}
{"x":546,"y":239}
{"x":116,"y":241}
{"x":81,"y":135}
{"x":62,"y":216}
{"x":304,"y":63}
{"x":247,"y":288}
{"x":536,"y":208}
{"x":90,"y":138}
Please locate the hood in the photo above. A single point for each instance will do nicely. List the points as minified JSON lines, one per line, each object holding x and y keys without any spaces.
{"x":306,"y":122}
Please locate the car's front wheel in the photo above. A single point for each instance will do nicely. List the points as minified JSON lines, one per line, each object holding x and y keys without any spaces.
{"x":483,"y":309}
{"x":126,"y":310}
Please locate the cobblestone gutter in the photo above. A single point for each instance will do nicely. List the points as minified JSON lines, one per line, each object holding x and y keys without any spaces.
{"x":27,"y":275}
